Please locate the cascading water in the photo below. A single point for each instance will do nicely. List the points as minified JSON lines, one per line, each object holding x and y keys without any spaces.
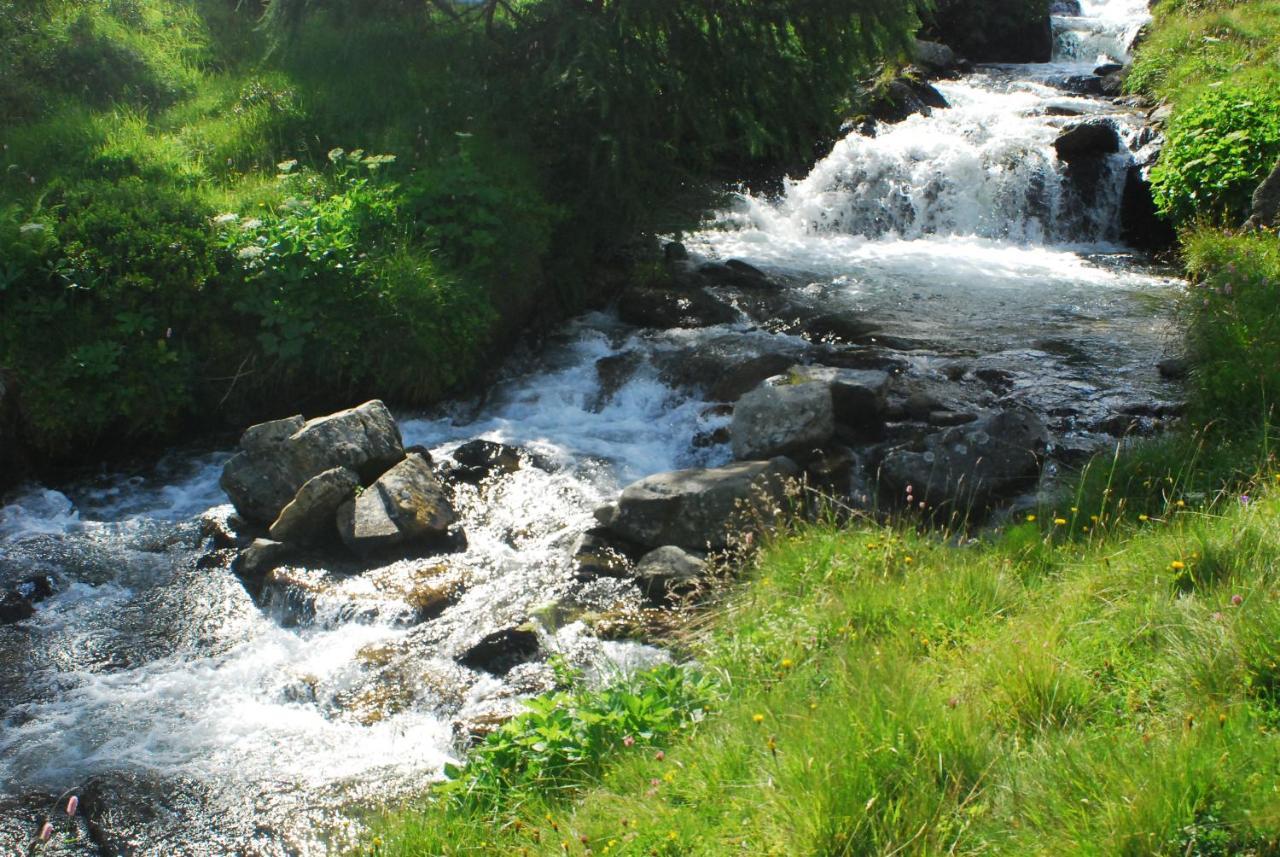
{"x":196,"y":721}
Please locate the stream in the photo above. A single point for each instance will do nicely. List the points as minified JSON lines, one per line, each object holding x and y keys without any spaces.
{"x":192,"y":719}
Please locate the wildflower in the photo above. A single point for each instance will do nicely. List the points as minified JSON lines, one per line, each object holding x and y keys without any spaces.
{"x":1074,"y":510}
{"x":772,"y":744}
{"x":1031,"y":519}
{"x":669,"y":776}
{"x":1237,"y":600}
{"x":1059,"y":522}
{"x":908,"y":560}
{"x":787,"y":663}
{"x":1181,"y":504}
{"x":1244,"y":499}
{"x":46,"y":832}
{"x":1093,"y":518}
{"x":224,"y":219}
{"x":628,"y":741}
{"x":757,"y":718}
{"x":1222,"y":719}
{"x":673,"y":836}
{"x":250,"y":252}
{"x":1143,"y":518}
{"x":660,"y":756}
{"x":1177,"y":565}
{"x":953,"y":702}
{"x":73,"y":803}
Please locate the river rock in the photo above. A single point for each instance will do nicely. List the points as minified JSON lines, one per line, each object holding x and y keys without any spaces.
{"x":1089,"y":139}
{"x":747,"y":375}
{"x":735,"y":273}
{"x":260,"y":557}
{"x":966,"y":468}
{"x":310,"y":514}
{"x":668,"y":308}
{"x":903,"y":97}
{"x":857,"y":395}
{"x":260,"y":479}
{"x":1066,"y":8}
{"x":936,"y":58}
{"x":782,"y":419}
{"x":365,"y":439}
{"x":1141,"y":225}
{"x":498,"y":652}
{"x":479,"y":459}
{"x":406,"y":504}
{"x":276,"y":458}
{"x":19,"y":602}
{"x":696,"y":509}
{"x":669,"y":570}
{"x":1266,"y":203}
{"x":600,"y":553}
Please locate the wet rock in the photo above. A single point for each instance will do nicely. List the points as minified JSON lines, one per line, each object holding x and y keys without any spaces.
{"x":310,"y":515}
{"x":1266,"y":203}
{"x":224,"y":529}
{"x":1062,"y":110}
{"x":833,"y":469}
{"x":747,"y":375}
{"x":936,"y":58}
{"x":735,"y":273}
{"x":858,"y":396}
{"x":783,"y":419}
{"x":613,"y":372}
{"x":669,"y":571}
{"x":903,"y":98}
{"x":1174,"y":368}
{"x":967,"y":468}
{"x":1141,"y":225}
{"x":277,"y":458}
{"x":406,"y":504}
{"x":675,"y":252}
{"x":497,"y":653}
{"x":479,"y":459}
{"x":837,"y":327}
{"x":698,"y":508}
{"x":1107,"y":69}
{"x":18,"y":603}
{"x":667,"y":308}
{"x":1090,"y":139}
{"x":260,"y":557}
{"x":1066,"y":8}
{"x":600,"y":553}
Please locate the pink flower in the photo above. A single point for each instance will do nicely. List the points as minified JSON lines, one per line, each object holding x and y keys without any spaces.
{"x":46,"y":832}
{"x":659,"y":755}
{"x":1237,"y":600}
{"x":73,"y":803}
{"x":628,"y":741}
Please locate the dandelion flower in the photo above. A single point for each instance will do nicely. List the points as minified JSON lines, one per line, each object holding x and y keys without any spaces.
{"x":1143,"y":518}
{"x":757,"y":718}
{"x":1059,"y":522}
{"x":787,"y":663}
{"x":1031,"y":519}
{"x":1177,"y":565}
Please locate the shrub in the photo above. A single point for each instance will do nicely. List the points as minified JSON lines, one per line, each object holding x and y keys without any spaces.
{"x":1219,"y":148}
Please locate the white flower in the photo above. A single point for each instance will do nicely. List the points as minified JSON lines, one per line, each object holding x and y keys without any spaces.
{"x":250,"y":252}
{"x":224,"y":219}
{"x":30,"y":228}
{"x":252,"y":223}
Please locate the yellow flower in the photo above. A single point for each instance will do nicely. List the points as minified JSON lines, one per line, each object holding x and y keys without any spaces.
{"x":1074,"y":510}
{"x":1093,"y":518}
{"x":1059,"y":522}
{"x":673,"y":836}
{"x":1177,"y":565}
{"x":1143,"y":518}
{"x":1181,"y":504}
{"x":1031,"y":519}
{"x":787,"y":663}
{"x":757,"y":718}
{"x":908,"y":560}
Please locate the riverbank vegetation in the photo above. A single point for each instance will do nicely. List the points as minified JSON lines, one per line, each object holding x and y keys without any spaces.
{"x":1096,"y":676}
{"x":217,"y":211}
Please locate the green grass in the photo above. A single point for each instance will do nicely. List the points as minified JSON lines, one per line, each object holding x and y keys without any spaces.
{"x":887,"y":691}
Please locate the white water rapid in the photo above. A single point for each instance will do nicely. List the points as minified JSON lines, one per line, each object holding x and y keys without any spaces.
{"x":196,"y":721}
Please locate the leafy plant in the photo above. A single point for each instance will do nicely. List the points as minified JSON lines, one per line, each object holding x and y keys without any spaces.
{"x":1219,"y":148}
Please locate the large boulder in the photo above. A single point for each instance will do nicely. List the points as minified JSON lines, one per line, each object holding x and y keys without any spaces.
{"x":405,"y":505}
{"x":782,"y":419}
{"x":697,"y":509}
{"x":1090,"y":139}
{"x":310,"y":514}
{"x":735,"y":273}
{"x":479,"y":459}
{"x":857,"y":395}
{"x":936,"y":58}
{"x":967,"y":468}
{"x":277,"y":458}
{"x":1266,"y":203}
{"x":903,"y":97}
